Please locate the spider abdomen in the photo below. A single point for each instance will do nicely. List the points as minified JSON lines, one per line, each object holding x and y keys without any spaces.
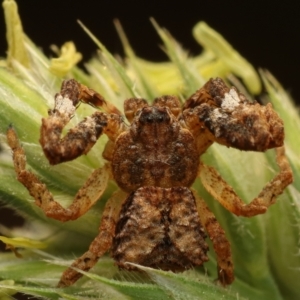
{"x":160,"y":228}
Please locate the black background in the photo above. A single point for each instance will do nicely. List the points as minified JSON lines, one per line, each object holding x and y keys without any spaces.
{"x":265,"y":32}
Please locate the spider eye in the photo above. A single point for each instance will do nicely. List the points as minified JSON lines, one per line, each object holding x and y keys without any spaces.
{"x":149,"y":118}
{"x":160,"y":118}
{"x":154,"y":115}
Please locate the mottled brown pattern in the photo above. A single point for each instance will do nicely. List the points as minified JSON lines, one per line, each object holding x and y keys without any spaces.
{"x":79,"y":139}
{"x":160,"y":228}
{"x":156,"y":151}
{"x":245,"y":125}
{"x":219,"y":241}
{"x":154,"y":219}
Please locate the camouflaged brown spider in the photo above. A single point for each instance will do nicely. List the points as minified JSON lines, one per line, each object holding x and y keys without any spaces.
{"x":155,"y":219}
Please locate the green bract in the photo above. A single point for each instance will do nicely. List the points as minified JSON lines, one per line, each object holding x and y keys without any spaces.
{"x":265,"y":248}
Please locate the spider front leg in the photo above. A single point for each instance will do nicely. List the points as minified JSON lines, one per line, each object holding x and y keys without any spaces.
{"x":89,"y":193}
{"x":224,"y":193}
{"x":77,"y":141}
{"x":101,"y":244}
{"x":219,"y":240}
{"x":82,"y":137}
{"x":216,"y":113}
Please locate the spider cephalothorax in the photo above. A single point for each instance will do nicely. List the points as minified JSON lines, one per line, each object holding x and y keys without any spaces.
{"x":155,"y":151}
{"x":155,"y":218}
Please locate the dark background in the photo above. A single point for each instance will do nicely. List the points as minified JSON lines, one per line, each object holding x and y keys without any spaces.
{"x":265,"y":32}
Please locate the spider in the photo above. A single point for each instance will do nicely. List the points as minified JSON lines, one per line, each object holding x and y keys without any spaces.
{"x":156,"y":219}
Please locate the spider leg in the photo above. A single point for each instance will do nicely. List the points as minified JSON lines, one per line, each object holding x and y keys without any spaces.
{"x":82,"y":137}
{"x":94,"y":99}
{"x":89,"y":193}
{"x":101,"y":244}
{"x":218,"y":238}
{"x":224,"y":193}
{"x":216,"y":113}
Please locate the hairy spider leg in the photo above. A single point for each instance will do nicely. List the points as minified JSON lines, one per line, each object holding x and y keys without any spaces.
{"x":101,"y":244}
{"x":219,"y":240}
{"x":224,"y":193}
{"x":80,"y":139}
{"x":89,"y":193}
